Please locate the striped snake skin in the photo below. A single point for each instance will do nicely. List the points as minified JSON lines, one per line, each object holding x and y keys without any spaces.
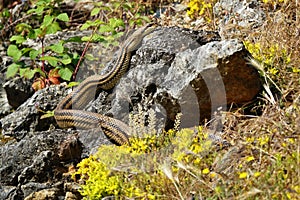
{"x":69,"y":113}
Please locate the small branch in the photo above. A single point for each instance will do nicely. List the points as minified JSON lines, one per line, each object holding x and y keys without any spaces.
{"x":82,"y":55}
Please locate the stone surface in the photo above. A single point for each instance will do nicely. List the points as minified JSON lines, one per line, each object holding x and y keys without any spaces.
{"x":188,"y":76}
{"x":239,"y":13}
{"x":37,"y":162}
{"x":18,"y":87}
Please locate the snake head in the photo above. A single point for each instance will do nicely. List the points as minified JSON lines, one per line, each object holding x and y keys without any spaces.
{"x":134,"y":41}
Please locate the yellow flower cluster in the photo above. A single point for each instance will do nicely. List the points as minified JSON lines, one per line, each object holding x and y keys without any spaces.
{"x":122,"y":171}
{"x":273,"y":1}
{"x":268,"y":55}
{"x":200,"y":8}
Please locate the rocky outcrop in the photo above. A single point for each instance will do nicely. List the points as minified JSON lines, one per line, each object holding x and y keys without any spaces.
{"x":175,"y":70}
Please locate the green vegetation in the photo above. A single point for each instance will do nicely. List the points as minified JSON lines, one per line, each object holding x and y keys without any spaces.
{"x":263,"y":159}
{"x":54,"y":63}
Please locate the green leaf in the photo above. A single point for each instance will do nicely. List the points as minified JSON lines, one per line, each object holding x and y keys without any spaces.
{"x":14,"y":52}
{"x":53,"y":28}
{"x":18,"y":38}
{"x":114,"y":22}
{"x":57,"y":48}
{"x":65,"y":73}
{"x":95,"y":11}
{"x":117,"y":35}
{"x":86,"y":25}
{"x":63,"y":17}
{"x":26,"y":50}
{"x":39,"y":10}
{"x":23,"y":70}
{"x":74,"y":39}
{"x":105,"y":28}
{"x":95,"y":38}
{"x":35,"y":33}
{"x":66,"y":61}
{"x":48,"y":19}
{"x":12,"y":70}
{"x":33,"y":54}
{"x":52,"y":60}
{"x":27,"y":72}
{"x":47,"y":114}
{"x":40,"y":71}
{"x":72,"y":84}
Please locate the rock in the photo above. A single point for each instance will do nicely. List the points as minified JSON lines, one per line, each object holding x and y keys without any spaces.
{"x":43,"y":195}
{"x":39,"y":160}
{"x":239,"y":13}
{"x":18,"y":87}
{"x":195,"y":78}
{"x":28,"y":116}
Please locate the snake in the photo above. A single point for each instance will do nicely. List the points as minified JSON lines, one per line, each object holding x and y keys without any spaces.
{"x":69,"y":112}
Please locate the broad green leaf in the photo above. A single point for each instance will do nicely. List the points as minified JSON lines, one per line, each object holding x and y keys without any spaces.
{"x":14,"y":52}
{"x":85,"y":38}
{"x":63,"y":17}
{"x":48,"y":19}
{"x":35,"y":33}
{"x":39,"y":10}
{"x":86,"y":25}
{"x":65,"y":73}
{"x":12,"y":70}
{"x":27,"y":72}
{"x":95,"y":11}
{"x":89,"y":23}
{"x":23,"y":70}
{"x":105,"y":28}
{"x":117,"y":35}
{"x":26,"y":50}
{"x":53,"y":28}
{"x":52,"y":60}
{"x":57,"y":48}
{"x":33,"y":54}
{"x":18,"y":38}
{"x":114,"y":22}
{"x":66,"y":61}
{"x":95,"y":38}
{"x":23,"y":26}
{"x":49,"y":58}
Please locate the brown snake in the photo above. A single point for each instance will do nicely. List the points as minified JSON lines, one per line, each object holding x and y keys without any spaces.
{"x":69,"y":113}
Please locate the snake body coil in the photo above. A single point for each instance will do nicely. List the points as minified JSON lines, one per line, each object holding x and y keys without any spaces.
{"x":69,"y":113}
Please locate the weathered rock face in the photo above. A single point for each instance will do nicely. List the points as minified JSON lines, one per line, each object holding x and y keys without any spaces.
{"x":239,"y":13}
{"x":175,"y":70}
{"x":188,"y":76}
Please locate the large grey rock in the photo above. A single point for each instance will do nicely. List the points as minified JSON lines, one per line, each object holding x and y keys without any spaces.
{"x":36,"y":162}
{"x":27,"y":118}
{"x":184,"y":75}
